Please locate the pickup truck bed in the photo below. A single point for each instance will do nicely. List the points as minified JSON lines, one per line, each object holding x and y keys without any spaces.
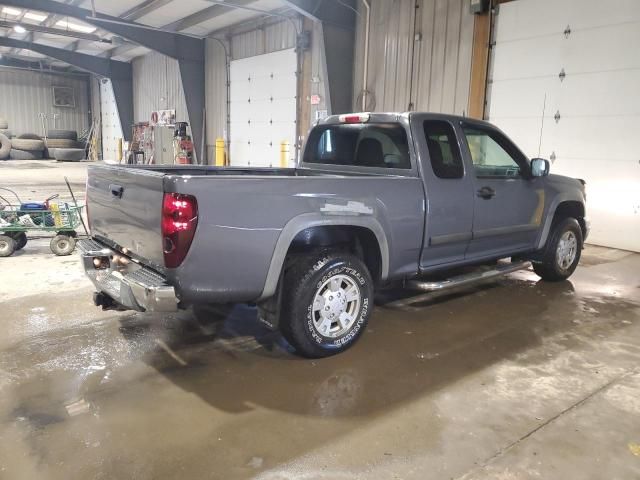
{"x":249,"y":220}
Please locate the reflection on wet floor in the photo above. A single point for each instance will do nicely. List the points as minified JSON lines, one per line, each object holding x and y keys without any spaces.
{"x":85,"y":393}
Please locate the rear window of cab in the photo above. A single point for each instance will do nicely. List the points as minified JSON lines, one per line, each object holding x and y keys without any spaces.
{"x":373,"y":145}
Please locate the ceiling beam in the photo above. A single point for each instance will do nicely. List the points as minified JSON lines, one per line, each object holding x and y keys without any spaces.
{"x":204,"y":15}
{"x":143,"y":9}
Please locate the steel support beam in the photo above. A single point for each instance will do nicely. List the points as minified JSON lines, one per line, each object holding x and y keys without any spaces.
{"x":337,"y":22}
{"x":187,"y":50}
{"x":119,"y":73}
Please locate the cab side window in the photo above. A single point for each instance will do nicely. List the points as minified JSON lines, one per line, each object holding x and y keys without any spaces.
{"x":444,"y":154}
{"x":492,"y":154}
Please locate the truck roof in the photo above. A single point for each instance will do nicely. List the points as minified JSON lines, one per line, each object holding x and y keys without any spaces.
{"x":397,"y":116}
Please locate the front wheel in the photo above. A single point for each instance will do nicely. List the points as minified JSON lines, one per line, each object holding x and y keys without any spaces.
{"x":327,"y":301}
{"x":562,"y":251}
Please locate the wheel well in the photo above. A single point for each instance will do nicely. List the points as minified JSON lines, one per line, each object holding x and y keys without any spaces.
{"x":357,"y":240}
{"x":571,"y":209}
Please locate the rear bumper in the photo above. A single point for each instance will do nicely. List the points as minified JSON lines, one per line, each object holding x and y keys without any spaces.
{"x":129,"y":284}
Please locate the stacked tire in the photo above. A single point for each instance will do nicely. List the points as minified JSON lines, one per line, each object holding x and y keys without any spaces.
{"x":27,"y":146}
{"x":63,"y":145}
{"x":5,"y":139}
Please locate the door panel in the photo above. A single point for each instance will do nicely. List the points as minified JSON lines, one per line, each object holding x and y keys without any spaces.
{"x":508,"y":205}
{"x":449,"y":192}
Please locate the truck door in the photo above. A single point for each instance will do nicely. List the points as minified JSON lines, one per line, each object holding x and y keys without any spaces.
{"x":508,"y":204}
{"x":449,"y":192}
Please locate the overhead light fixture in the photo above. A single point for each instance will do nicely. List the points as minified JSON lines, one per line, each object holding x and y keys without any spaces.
{"x":20,"y":29}
{"x":38,"y":17}
{"x":75,"y":26}
{"x":14,"y":12}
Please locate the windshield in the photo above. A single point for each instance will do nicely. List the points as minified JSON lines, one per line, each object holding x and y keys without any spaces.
{"x":375,"y":145}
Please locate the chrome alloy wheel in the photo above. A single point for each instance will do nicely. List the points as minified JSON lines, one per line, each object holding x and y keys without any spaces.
{"x":336,"y":306}
{"x":567,"y":250}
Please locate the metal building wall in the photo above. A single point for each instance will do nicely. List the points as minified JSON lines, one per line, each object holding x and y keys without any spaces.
{"x":26,"y":94}
{"x":156,"y":86}
{"x":420,"y":58}
{"x":263,"y":39}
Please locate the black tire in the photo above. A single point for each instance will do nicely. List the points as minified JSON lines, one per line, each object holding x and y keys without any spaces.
{"x":62,"y":245}
{"x":7,"y":246}
{"x":61,"y":143}
{"x":20,"y":239}
{"x":26,"y":154}
{"x":301,"y":324}
{"x":29,"y":136}
{"x":555,"y":266}
{"x":5,"y":147}
{"x":27,"y":144}
{"x":57,"y":134}
{"x":69,"y":154}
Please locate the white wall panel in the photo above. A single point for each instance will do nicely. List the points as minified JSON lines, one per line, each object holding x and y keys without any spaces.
{"x":263,"y":108}
{"x":111,"y":126}
{"x":25,"y":94}
{"x":594,"y":138}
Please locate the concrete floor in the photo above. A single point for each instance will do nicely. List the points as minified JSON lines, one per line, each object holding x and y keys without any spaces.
{"x":515,"y":379}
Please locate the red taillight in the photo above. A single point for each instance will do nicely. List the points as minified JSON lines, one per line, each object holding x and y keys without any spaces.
{"x":179,"y":221}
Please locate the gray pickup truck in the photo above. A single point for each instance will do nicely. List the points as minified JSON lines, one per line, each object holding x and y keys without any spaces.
{"x":375,"y":199}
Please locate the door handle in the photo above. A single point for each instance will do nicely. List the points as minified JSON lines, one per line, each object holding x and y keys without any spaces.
{"x":486,"y":193}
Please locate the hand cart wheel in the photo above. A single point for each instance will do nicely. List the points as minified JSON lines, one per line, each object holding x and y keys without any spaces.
{"x":7,"y":245}
{"x":62,"y":244}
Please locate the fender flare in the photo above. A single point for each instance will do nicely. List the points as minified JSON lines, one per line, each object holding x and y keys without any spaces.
{"x":309,"y":220}
{"x":566,"y":197}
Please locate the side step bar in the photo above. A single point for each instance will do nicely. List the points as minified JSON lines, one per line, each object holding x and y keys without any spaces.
{"x":468,"y":278}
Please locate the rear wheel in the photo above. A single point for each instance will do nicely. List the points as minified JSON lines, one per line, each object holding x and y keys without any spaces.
{"x":327,"y":301}
{"x":62,"y":245}
{"x":562,"y":251}
{"x":7,"y":245}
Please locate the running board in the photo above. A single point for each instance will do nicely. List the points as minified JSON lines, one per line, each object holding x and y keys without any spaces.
{"x":468,"y":278}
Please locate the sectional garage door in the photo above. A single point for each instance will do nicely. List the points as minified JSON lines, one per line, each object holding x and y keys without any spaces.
{"x":565,"y":85}
{"x":263,"y":109}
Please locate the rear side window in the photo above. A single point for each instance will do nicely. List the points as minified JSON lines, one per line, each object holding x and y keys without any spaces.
{"x":375,"y":145}
{"x":444,"y":153}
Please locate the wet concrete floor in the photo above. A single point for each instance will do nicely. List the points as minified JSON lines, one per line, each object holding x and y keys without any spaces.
{"x":514,"y":379}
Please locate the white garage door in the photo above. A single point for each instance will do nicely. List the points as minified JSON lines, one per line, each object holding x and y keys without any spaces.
{"x":578,"y":61}
{"x":263,"y":109}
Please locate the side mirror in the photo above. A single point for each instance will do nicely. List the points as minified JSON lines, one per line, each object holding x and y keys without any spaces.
{"x":540,"y":167}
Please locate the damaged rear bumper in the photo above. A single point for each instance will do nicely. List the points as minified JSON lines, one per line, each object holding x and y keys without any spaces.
{"x":129,"y":284}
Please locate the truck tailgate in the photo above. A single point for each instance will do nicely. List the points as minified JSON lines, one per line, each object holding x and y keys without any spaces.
{"x":125,"y":209}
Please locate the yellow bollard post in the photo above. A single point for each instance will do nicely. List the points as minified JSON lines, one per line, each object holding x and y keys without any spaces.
{"x":119,"y":150}
{"x":284,"y":154}
{"x":220,"y":152}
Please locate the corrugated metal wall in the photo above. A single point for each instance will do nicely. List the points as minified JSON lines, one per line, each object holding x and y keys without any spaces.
{"x":157,"y":86}
{"x":437,"y":35}
{"x":26,"y":94}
